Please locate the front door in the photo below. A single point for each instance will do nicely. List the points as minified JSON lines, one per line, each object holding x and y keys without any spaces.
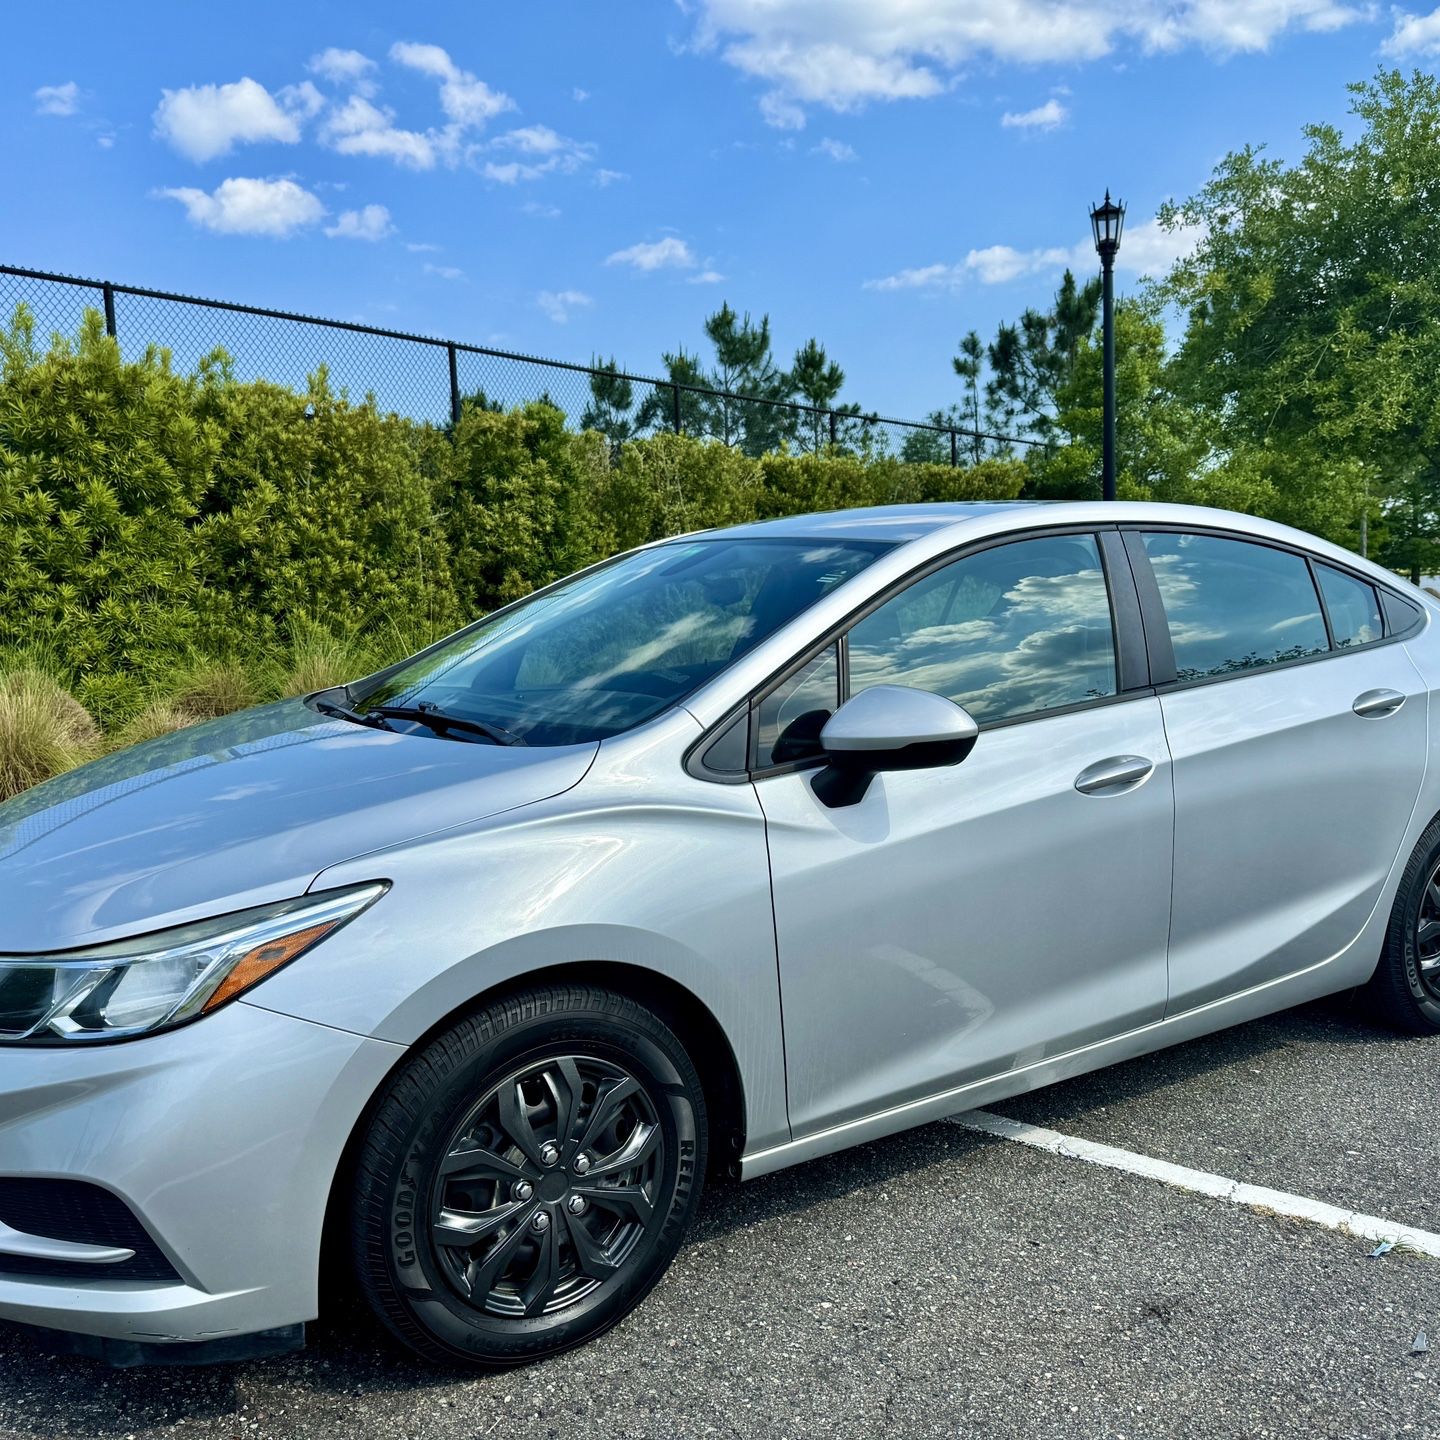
{"x":963,"y":921}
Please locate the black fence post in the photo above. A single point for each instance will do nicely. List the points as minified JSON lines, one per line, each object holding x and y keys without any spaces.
{"x":954,"y":451}
{"x":675,"y":410}
{"x":108,"y":291}
{"x":834,"y":430}
{"x":454,"y":387}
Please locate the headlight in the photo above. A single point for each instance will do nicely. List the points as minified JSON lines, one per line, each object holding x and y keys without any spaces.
{"x":134,"y":987}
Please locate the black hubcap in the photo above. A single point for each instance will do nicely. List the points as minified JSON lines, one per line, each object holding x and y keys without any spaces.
{"x":547,"y":1186}
{"x":1427,"y":936}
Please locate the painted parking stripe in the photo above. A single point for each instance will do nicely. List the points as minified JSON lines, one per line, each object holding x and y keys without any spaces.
{"x":1200,"y":1182}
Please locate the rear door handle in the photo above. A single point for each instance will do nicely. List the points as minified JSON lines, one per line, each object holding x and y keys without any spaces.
{"x":1378,"y":702}
{"x":1114,"y":776}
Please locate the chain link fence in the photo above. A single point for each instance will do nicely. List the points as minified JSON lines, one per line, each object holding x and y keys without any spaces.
{"x":429,"y":379}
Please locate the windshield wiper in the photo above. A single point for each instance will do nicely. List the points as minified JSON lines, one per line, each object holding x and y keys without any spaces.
{"x":435,"y":719}
{"x":372,"y":718}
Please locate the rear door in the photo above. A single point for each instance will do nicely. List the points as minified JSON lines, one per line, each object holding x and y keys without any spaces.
{"x":1297,"y":735}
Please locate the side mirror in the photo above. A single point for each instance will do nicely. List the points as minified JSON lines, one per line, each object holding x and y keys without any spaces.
{"x":889,"y":727}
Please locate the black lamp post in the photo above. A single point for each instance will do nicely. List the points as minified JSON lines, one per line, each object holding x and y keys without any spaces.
{"x":1108,"y":220}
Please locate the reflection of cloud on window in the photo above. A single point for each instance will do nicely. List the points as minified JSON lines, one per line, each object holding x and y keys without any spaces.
{"x":1234,"y":605}
{"x":1046,"y":641}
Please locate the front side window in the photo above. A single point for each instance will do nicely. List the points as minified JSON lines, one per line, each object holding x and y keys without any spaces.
{"x":1233,"y":605}
{"x":1353,"y":607}
{"x":609,"y":650}
{"x":1011,"y":630}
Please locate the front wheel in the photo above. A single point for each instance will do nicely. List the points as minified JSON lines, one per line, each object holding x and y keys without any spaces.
{"x":1405,"y":989}
{"x":528,"y":1177}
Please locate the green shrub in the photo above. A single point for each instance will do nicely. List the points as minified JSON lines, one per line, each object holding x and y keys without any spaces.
{"x":327,"y":519}
{"x":672,"y":484}
{"x":103,"y":468}
{"x":44,"y":730}
{"x":522,"y":500}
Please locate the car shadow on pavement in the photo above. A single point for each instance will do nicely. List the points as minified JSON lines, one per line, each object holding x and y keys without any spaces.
{"x":346,"y":1354}
{"x":1335,"y":1022}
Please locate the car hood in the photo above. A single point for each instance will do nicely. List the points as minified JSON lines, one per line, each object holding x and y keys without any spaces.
{"x":237,"y":812}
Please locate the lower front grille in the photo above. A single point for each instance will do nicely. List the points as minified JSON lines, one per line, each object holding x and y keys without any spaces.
{"x":87,"y":1214}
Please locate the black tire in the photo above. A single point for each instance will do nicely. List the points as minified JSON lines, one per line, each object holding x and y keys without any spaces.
{"x":1401,"y":993}
{"x":586,"y":1071}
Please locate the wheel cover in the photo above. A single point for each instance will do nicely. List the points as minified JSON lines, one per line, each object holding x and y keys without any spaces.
{"x":547,"y":1186}
{"x":1427,"y":937}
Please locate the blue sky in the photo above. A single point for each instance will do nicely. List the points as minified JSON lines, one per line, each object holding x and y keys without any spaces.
{"x":568,"y":178}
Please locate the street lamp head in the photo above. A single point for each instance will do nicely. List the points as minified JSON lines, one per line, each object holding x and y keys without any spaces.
{"x":1107,"y":220}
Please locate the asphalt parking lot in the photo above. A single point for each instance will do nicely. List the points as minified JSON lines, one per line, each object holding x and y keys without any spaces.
{"x":947,"y":1283}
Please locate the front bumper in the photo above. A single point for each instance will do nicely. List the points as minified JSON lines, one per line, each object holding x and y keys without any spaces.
{"x":222,"y":1137}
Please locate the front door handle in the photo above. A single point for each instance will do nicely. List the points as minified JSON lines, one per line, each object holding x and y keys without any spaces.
{"x":1378,"y":702}
{"x":1114,"y":776}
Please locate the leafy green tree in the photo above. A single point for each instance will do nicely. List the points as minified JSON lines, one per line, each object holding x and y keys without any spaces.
{"x":1031,"y":360}
{"x":816,"y":380}
{"x":688,"y":379}
{"x":745,"y":366}
{"x":612,"y":398}
{"x":1311,"y":345}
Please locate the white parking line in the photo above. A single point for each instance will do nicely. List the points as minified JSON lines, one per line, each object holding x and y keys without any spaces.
{"x":1201,"y":1182}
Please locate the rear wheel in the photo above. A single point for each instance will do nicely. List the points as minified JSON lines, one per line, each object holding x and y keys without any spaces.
{"x":528,"y":1176}
{"x":1405,"y":989}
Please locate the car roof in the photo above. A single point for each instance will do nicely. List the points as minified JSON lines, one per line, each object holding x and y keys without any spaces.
{"x":897,"y":524}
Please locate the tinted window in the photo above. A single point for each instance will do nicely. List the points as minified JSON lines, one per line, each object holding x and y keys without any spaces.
{"x":1353,"y":607}
{"x":1006,"y":631}
{"x":793,"y":714}
{"x":608,"y":650}
{"x":1234,"y":606}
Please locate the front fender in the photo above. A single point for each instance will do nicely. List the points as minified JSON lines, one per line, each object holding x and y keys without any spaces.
{"x":674,"y":884}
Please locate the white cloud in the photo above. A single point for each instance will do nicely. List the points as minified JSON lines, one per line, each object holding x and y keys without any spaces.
{"x":344,"y":67}
{"x":580,"y":96}
{"x":1043,"y":117}
{"x":1146,"y":249}
{"x":544,"y":150}
{"x":360,"y":128}
{"x":370,"y":222}
{"x":844,"y":53}
{"x":57,"y":99}
{"x":921,"y":277}
{"x":421,"y":247}
{"x":443,"y":272}
{"x":558,"y":304}
{"x":604,"y":178}
{"x":303,"y":100}
{"x":540,"y":211}
{"x":997,"y":264}
{"x":1413,"y":35}
{"x":670,"y":253}
{"x":706,"y":277}
{"x":203,"y":121}
{"x":837,"y":150}
{"x":275,"y":208}
{"x":466,"y":100}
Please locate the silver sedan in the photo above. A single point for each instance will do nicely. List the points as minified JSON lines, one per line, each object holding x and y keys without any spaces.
{"x":733,"y":851}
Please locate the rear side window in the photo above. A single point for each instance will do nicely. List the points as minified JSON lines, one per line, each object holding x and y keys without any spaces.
{"x":1353,"y":607}
{"x":1234,"y":606}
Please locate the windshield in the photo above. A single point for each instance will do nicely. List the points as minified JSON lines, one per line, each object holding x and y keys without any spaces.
{"x":610,"y":649}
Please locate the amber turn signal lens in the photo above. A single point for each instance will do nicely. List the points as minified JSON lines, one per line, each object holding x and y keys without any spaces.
{"x":264,"y":960}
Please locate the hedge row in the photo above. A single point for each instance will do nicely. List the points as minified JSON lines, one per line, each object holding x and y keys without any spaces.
{"x":150,"y":521}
